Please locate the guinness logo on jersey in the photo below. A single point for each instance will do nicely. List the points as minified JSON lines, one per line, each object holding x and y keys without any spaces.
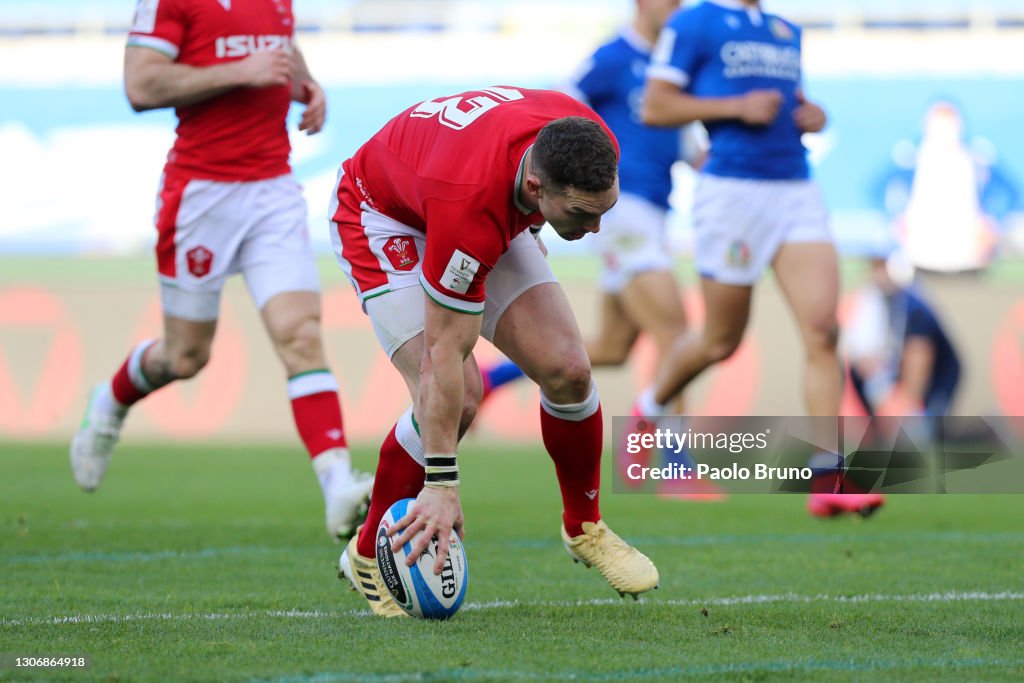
{"x":460,"y":272}
{"x":243,"y":46}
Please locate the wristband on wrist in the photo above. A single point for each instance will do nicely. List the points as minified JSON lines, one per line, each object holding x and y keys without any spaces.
{"x":441,"y":470}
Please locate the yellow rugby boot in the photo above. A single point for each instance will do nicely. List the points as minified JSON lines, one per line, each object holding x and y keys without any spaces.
{"x":627,"y":569}
{"x":364,"y":576}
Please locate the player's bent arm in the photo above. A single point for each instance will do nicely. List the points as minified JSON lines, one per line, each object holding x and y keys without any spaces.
{"x":306,"y":90}
{"x":153,"y":80}
{"x":300,"y":74}
{"x":448,"y":339}
{"x":664,"y":104}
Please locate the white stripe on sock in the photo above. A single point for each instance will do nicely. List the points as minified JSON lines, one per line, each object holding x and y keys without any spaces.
{"x":409,"y":439}
{"x":310,"y":383}
{"x":135,"y":373}
{"x":573,"y":412}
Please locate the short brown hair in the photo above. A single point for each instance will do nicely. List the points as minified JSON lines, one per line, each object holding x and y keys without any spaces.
{"x":576,"y":152}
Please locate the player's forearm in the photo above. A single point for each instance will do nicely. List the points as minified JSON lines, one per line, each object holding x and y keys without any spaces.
{"x":300,"y":74}
{"x":155,"y":86}
{"x":663,"y":107}
{"x":439,"y":408}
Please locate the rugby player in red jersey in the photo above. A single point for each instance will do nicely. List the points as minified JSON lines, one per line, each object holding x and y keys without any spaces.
{"x":228,"y":203}
{"x":431,"y":222}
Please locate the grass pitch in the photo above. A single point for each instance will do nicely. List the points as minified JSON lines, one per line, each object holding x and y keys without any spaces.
{"x":209,"y":563}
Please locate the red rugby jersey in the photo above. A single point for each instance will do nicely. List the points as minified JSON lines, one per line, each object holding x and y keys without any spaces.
{"x":450,"y":167}
{"x":240,"y":135}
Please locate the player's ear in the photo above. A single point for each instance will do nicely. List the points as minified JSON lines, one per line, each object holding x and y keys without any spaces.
{"x":534,"y":185}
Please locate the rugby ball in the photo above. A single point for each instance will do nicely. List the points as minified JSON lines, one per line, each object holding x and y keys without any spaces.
{"x":417,"y":589}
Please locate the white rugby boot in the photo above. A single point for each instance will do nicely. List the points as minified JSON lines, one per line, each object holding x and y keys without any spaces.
{"x":346,"y":492}
{"x":97,"y":435}
{"x":627,"y":569}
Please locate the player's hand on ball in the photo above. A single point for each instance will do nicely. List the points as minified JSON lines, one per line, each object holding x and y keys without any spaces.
{"x":760,"y":107}
{"x":436,"y":512}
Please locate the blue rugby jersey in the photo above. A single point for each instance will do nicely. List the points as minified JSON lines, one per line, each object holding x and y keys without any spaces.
{"x":611,"y":82}
{"x":722,"y":48}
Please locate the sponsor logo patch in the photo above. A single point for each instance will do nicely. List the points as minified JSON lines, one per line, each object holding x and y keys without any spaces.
{"x":460,"y":272}
{"x":401,"y":252}
{"x":145,"y":16}
{"x":245,"y":45}
{"x":200,"y":260}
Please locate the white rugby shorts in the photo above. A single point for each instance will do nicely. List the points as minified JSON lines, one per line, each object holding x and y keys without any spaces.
{"x":632,"y":240}
{"x":739,"y":224}
{"x":208,"y":230}
{"x":397,"y":311}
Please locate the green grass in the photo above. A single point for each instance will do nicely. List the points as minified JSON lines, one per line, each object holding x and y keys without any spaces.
{"x":209,"y":563}
{"x":139,"y":270}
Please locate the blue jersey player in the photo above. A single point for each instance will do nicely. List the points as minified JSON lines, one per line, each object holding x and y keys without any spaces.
{"x":640,"y":293}
{"x":738,"y":70}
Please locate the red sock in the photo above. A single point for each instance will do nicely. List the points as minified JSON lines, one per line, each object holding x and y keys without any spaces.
{"x":398,"y":476}
{"x":317,"y":411}
{"x":318,"y":419}
{"x":575,"y":448}
{"x":129,"y":384}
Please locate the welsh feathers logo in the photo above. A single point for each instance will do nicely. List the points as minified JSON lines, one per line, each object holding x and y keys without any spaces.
{"x":401,"y":252}
{"x":200,"y":260}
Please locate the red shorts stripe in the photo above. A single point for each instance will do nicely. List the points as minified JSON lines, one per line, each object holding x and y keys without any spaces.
{"x":171,"y":191}
{"x":355,"y":246}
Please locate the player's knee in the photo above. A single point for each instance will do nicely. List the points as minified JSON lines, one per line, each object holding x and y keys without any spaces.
{"x":570,"y":382}
{"x":300,"y":345}
{"x":188,"y":363}
{"x":470,"y":404}
{"x":719,"y":350}
{"x":822,"y":336}
{"x":469,"y":408}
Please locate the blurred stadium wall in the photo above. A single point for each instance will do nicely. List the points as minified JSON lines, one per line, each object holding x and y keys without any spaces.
{"x":78,"y":171}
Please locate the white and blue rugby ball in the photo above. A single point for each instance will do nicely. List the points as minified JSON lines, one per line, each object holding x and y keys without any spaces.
{"x":416,"y":589}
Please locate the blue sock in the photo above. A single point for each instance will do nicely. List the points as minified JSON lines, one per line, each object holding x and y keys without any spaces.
{"x":502,"y":373}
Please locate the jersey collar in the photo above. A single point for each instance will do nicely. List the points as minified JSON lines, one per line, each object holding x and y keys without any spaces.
{"x":753,"y":12}
{"x":635,"y":40}
{"x":518,"y":184}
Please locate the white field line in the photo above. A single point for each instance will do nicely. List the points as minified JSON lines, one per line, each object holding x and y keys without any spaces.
{"x":782,"y":598}
{"x":683,"y":541}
